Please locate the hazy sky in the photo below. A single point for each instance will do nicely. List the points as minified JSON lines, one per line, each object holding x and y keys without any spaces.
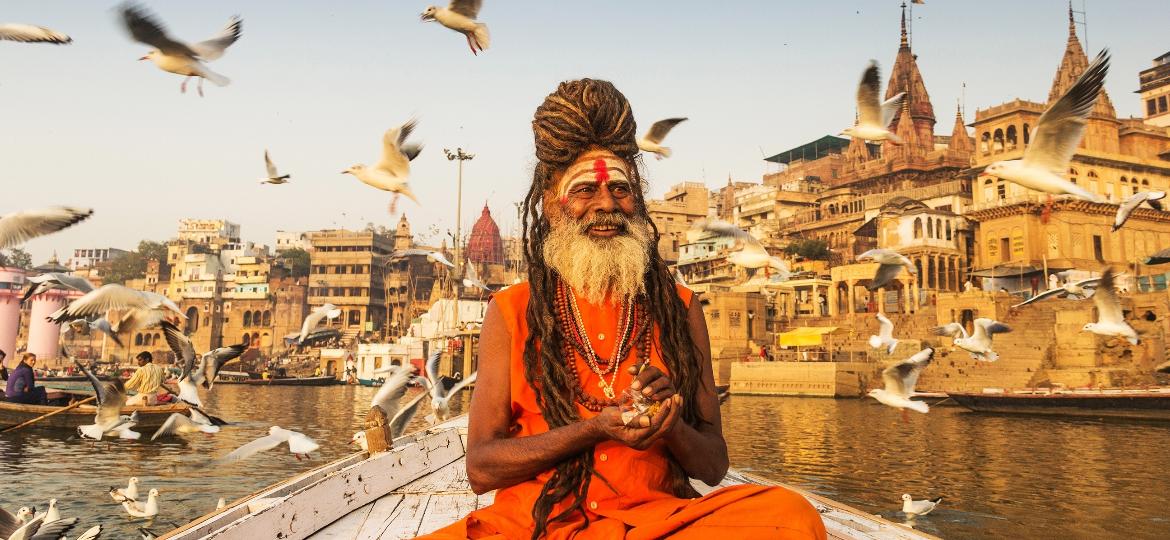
{"x":317,"y":83}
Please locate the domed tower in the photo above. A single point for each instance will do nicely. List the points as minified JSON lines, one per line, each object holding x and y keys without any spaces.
{"x":485,"y":245}
{"x":402,"y":236}
{"x":43,"y":336}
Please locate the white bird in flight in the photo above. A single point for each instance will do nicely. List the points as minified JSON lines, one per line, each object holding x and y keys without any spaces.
{"x":752,"y":255}
{"x":1055,"y":138}
{"x":180,"y":423}
{"x":274,"y":177}
{"x":437,"y":257}
{"x":873,"y":114}
{"x":652,"y":140}
{"x":37,"y":529}
{"x":389,"y":400}
{"x":21,"y":227}
{"x":315,"y":318}
{"x":137,"y":509}
{"x":134,"y":309}
{"x":28,"y":33}
{"x":298,"y":444}
{"x":911,"y":507}
{"x":890,"y":263}
{"x":471,"y":279}
{"x":440,"y":396}
{"x":1110,"y":317}
{"x":392,"y":172}
{"x":979,"y":342}
{"x":885,"y":336}
{"x":1132,"y":203}
{"x":460,"y":16}
{"x":899,"y":382}
{"x":1077,"y":291}
{"x":55,"y":281}
{"x":178,"y":57}
{"x":111,"y":398}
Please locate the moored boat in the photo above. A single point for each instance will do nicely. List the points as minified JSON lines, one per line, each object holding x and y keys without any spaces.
{"x":371,"y":382}
{"x":421,"y":485}
{"x":1143,"y":403}
{"x":152,"y":416}
{"x":323,"y":380}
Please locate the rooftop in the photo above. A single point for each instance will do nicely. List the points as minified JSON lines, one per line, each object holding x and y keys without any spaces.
{"x":816,"y":149}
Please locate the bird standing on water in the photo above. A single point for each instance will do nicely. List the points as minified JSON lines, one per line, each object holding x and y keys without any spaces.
{"x":912,"y":508}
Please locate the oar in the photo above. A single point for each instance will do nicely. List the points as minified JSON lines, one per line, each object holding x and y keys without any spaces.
{"x":54,"y":413}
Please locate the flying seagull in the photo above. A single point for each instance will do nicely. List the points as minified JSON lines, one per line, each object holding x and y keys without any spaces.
{"x":175,"y":56}
{"x":1055,"y":138}
{"x":652,"y":140}
{"x":37,"y":529}
{"x":1159,"y":257}
{"x":111,"y":397}
{"x":21,"y":227}
{"x":752,"y":255}
{"x":471,"y":279}
{"x":873,"y":114}
{"x":392,"y":172}
{"x":885,"y":336}
{"x":315,"y":317}
{"x":1110,"y":317}
{"x":27,"y":33}
{"x":1076,"y":291}
{"x":440,"y":396}
{"x":389,"y":398}
{"x":890,"y":263}
{"x":911,"y":507}
{"x":899,"y":382}
{"x":180,"y":423}
{"x":979,"y":342}
{"x":460,"y":16}
{"x":134,"y":309}
{"x":1133,"y":202}
{"x":55,"y":281}
{"x":298,"y":444}
{"x":274,"y":177}
{"x":436,"y":257}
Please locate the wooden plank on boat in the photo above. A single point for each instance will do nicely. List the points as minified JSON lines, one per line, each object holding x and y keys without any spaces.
{"x":404,"y":517}
{"x":342,"y":528}
{"x":445,"y":509}
{"x":376,"y":522}
{"x":320,"y":501}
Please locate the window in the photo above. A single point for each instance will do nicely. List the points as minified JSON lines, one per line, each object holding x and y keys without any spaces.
{"x":1005,"y":249}
{"x":929,"y":228}
{"x":1027,"y":134}
{"x":733,"y":318}
{"x":1161,"y":104}
{"x":1097,"y":252}
{"x":997,"y":141}
{"x":1001,"y":190}
{"x":1151,"y":107}
{"x":948,"y":230}
{"x":917,"y":227}
{"x":985,"y":143}
{"x":247,"y":318}
{"x":714,"y":314}
{"x":1011,"y":138}
{"x":267,"y":318}
{"x":138,"y":340}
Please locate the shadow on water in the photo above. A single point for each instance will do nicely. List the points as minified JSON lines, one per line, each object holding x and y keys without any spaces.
{"x":1001,"y":476}
{"x":39,"y":464}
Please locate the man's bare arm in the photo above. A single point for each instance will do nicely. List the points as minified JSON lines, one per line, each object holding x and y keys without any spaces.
{"x":701,"y":450}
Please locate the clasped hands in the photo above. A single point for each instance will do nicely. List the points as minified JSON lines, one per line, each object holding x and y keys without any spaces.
{"x":643,"y":431}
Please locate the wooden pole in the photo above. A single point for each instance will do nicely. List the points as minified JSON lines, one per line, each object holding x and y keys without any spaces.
{"x":74,"y":405}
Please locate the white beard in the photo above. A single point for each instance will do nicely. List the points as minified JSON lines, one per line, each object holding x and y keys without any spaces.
{"x":600,"y":269}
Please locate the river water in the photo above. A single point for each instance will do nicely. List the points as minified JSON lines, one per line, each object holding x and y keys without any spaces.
{"x":1000,"y":476}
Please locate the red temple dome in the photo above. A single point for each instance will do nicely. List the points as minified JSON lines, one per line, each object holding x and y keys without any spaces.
{"x":485,"y":244}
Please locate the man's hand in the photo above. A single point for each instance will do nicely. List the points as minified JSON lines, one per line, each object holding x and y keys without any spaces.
{"x":645,"y":431}
{"x":652,"y":382}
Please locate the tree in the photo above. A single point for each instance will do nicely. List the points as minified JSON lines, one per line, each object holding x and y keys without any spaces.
{"x":297,"y":261}
{"x":133,"y":265}
{"x":151,"y":250}
{"x":817,"y":250}
{"x":20,"y":258}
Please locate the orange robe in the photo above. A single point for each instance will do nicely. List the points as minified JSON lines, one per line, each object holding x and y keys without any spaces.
{"x":634,"y":500}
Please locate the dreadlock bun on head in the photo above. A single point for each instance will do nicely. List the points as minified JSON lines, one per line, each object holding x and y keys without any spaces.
{"x":578,"y":115}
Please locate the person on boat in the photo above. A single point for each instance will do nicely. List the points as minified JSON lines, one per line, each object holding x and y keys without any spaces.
{"x":3,"y":368}
{"x":147,"y":381}
{"x":22,"y":383}
{"x":601,"y":314}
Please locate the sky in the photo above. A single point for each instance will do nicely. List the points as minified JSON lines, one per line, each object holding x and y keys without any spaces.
{"x":318,"y":83}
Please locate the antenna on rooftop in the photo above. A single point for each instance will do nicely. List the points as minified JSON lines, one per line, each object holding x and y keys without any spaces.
{"x":1084,"y":22}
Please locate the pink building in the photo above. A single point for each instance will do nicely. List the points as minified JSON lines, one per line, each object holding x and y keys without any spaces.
{"x":44,"y":336}
{"x":11,"y":287}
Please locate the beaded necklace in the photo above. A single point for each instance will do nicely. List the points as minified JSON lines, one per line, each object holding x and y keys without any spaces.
{"x":633,"y":329}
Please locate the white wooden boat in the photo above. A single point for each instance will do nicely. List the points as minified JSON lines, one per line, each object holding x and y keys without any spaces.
{"x":420,"y":486}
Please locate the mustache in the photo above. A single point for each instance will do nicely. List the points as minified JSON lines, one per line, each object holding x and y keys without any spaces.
{"x":616,"y":219}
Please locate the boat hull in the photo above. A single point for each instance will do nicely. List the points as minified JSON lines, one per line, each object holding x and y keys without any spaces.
{"x":295,"y":381}
{"x":12,"y":414}
{"x":1137,"y":405}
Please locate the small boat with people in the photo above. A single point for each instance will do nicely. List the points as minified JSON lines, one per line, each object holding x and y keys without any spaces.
{"x":1151,"y":403}
{"x":421,"y":485}
{"x":323,"y":380}
{"x":14,"y":414}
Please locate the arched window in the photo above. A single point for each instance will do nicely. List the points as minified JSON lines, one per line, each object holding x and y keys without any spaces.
{"x":929,"y":228}
{"x":1011,"y":138}
{"x":355,"y":317}
{"x":948,"y":230}
{"x":247,"y":319}
{"x":255,"y":339}
{"x":938,"y":228}
{"x":1092,"y":186}
{"x":987,"y":190}
{"x":1027,"y":135}
{"x":264,"y":341}
{"x":997,"y":141}
{"x":1072,"y":175}
{"x":1145,"y":183}
{"x":154,"y":340}
{"x":985,"y":143}
{"x":193,"y":319}
{"x":267,"y":318}
{"x":246,"y":340}
{"x":917,"y":227}
{"x":137,"y":340}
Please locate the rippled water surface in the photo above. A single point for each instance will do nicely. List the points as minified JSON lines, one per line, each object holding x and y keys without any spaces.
{"x":1000,"y":476}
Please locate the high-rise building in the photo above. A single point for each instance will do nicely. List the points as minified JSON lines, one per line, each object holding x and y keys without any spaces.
{"x":1155,"y":91}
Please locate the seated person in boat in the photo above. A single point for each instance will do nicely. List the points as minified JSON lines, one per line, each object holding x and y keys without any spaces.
{"x":601,"y":316}
{"x":22,"y":383}
{"x":3,"y":368}
{"x":147,"y":381}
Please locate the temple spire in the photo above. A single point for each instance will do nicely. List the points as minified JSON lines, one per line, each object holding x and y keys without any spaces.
{"x":1072,"y":65}
{"x":905,"y":77}
{"x":960,"y":140}
{"x":1072,"y":23}
{"x":905,"y":41}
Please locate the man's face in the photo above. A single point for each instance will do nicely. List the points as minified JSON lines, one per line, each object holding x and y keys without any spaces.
{"x":593,"y":188}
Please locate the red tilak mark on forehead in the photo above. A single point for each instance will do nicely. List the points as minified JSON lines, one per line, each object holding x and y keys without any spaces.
{"x":564,"y":199}
{"x":600,"y":171}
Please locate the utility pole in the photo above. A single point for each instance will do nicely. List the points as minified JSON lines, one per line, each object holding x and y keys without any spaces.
{"x":461,"y":156}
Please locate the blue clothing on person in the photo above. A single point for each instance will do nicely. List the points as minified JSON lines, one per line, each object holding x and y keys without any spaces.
{"x":22,"y":386}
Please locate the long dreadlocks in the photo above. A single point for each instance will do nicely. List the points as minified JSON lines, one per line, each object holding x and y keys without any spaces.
{"x":579,"y":115}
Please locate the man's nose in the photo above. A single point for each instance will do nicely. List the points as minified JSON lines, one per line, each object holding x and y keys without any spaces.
{"x":604,"y":201}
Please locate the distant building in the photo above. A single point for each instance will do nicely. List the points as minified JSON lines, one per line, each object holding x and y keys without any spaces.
{"x":92,"y":257}
{"x":347,"y":271}
{"x":674,"y":214}
{"x":1155,"y":91}
{"x":485,"y":246}
{"x":292,"y":240}
{"x":207,"y":231}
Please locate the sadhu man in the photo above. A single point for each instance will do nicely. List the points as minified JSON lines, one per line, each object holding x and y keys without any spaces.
{"x":600,"y":314}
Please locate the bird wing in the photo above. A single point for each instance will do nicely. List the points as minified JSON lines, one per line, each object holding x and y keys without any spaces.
{"x":100,"y":300}
{"x":885,"y":273}
{"x":1106,"y":300}
{"x":92,"y":533}
{"x":20,"y":227}
{"x":723,"y":228}
{"x":953,"y":329}
{"x":1127,"y":207}
{"x":1059,"y":130}
{"x":174,"y":422}
{"x":432,"y":369}
{"x":885,"y":327}
{"x":311,"y":321}
{"x":267,"y":442}
{"x":869,"y":104}
{"x":985,"y":328}
{"x":900,"y":378}
{"x":1086,"y":283}
{"x":182,"y":347}
{"x":467,"y":8}
{"x":439,"y":258}
{"x":890,"y":108}
{"x":393,"y":160}
{"x":660,"y":128}
{"x":28,"y":33}
{"x":145,"y":28}
{"x":39,"y":530}
{"x":1046,"y":294}
{"x":391,"y":392}
{"x":217,"y":359}
{"x":109,"y":411}
{"x":1152,"y":198}
{"x":8,"y":523}
{"x":269,"y":166}
{"x":299,"y":443}
{"x":461,"y":385}
{"x":405,"y":414}
{"x":214,"y":46}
